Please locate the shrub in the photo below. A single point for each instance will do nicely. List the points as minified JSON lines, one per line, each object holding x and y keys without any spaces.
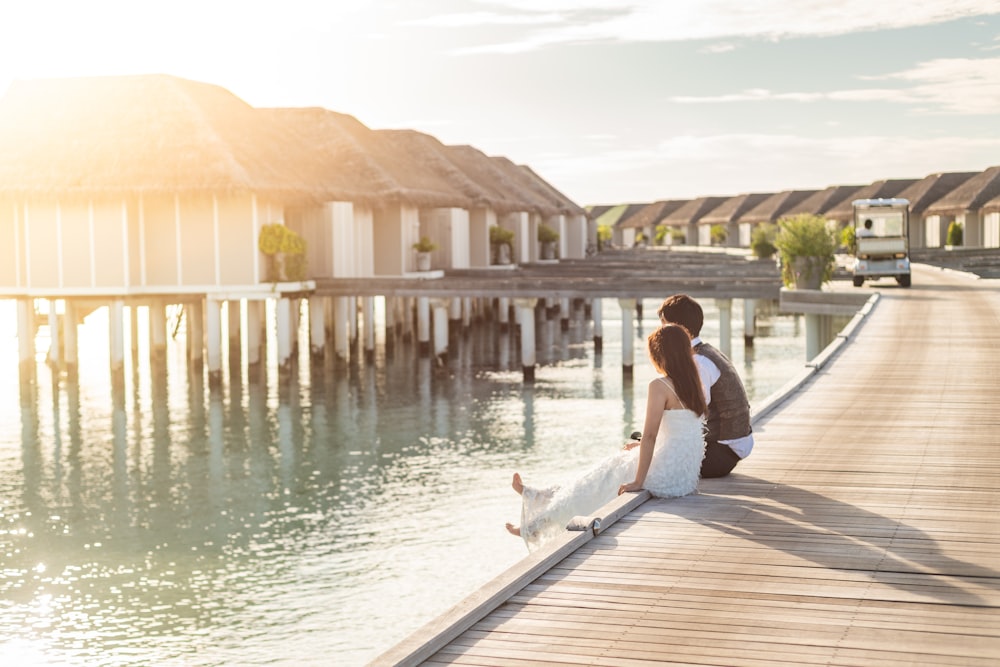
{"x":547,"y":235}
{"x":805,"y":235}
{"x":425,"y":245}
{"x":718,"y":234}
{"x":499,"y":235}
{"x":954,"y":237}
{"x":762,"y":240}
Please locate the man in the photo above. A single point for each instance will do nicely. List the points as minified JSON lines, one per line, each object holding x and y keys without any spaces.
{"x":867,"y":229}
{"x":729,"y":438}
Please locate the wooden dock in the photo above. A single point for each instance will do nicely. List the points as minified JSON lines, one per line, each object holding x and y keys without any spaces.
{"x":863,"y":530}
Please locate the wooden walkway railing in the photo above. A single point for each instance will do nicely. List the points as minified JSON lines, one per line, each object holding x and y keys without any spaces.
{"x":863,"y":530}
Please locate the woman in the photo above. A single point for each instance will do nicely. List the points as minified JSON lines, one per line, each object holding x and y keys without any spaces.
{"x":669,"y":452}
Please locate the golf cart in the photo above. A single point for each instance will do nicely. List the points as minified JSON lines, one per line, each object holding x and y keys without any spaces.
{"x":881,"y":232}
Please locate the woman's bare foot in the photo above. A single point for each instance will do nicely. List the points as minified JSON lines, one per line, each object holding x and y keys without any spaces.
{"x":513,"y":530}
{"x":517,"y":483}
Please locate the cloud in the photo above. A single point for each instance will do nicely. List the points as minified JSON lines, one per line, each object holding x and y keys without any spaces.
{"x":961,"y":86}
{"x":569,"y":21}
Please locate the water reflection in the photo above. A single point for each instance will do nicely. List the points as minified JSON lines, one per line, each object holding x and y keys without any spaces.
{"x":166,"y":521}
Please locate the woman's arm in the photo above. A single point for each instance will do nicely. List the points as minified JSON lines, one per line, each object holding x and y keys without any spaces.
{"x":656,"y":401}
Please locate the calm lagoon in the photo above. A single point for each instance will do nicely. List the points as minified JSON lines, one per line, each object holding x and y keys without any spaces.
{"x":319,"y":522}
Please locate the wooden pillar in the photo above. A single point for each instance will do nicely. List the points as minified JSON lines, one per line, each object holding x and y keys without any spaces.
{"x":628,"y":336}
{"x":526,"y":319}
{"x":317,"y":328}
{"x":749,"y":321}
{"x":213,"y":341}
{"x":423,"y":326}
{"x":597,"y":314}
{"x":725,"y":326}
{"x":116,"y":337}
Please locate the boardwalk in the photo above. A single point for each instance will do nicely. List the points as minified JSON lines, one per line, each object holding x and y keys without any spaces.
{"x":864,"y":529}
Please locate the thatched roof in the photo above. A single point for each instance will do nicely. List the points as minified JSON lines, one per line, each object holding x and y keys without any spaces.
{"x":359,"y":164}
{"x":931,"y":188}
{"x":650,"y":215}
{"x":884,"y":189}
{"x":151,"y":133}
{"x":824,"y":200}
{"x":777,"y":206}
{"x":971,"y":195}
{"x":568,"y":206}
{"x":733,"y":208}
{"x":692,"y":211}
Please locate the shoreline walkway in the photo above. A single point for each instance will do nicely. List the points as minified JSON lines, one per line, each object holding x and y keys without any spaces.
{"x":863,"y":530}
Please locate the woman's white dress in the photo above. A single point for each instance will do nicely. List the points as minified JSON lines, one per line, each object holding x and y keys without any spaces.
{"x":674,"y":471}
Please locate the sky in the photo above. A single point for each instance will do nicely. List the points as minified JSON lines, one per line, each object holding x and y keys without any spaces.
{"x":610,"y":101}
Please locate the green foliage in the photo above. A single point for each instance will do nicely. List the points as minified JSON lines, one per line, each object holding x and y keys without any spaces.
{"x":546,"y":234}
{"x":954,"y":237}
{"x":285,"y":251}
{"x":849,"y":239}
{"x":659,"y":234}
{"x":425,"y":245}
{"x":762,"y":240}
{"x":805,"y":235}
{"x":499,"y":235}
{"x":604,"y":233}
{"x":718,"y":234}
{"x":639,"y":237}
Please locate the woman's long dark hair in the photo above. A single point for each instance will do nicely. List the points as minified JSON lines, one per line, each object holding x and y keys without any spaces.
{"x":671,"y":353}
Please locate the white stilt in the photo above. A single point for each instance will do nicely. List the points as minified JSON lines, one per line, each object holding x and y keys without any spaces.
{"x":133,"y":327}
{"x":71,"y":354}
{"x":597,"y":315}
{"x":503,"y":306}
{"x":196,"y":333}
{"x":526,"y":319}
{"x":317,"y":327}
{"x":441,"y":308}
{"x":466,"y":311}
{"x":628,"y":335}
{"x":157,"y":315}
{"x":564,"y":313}
{"x":116,"y":337}
{"x":352,"y":319}
{"x":341,"y":341}
{"x":213,"y":340}
{"x":423,"y":326}
{"x":234,"y":324}
{"x":255,"y":331}
{"x":25,"y":332}
{"x":368,"y":306}
{"x":749,"y":321}
{"x":725,"y":326}
{"x":55,"y":337}
{"x":283,"y":319}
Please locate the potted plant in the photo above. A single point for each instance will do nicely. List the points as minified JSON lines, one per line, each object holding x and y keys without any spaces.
{"x":954,"y":237}
{"x":547,"y":237}
{"x":285,"y":251}
{"x":807,"y":250}
{"x":762,"y":240}
{"x":501,"y":241}
{"x":424,"y":248}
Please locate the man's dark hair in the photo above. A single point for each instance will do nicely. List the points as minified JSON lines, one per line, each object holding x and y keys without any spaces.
{"x":683,"y":310}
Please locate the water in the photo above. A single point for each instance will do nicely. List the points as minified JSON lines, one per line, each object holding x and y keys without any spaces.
{"x":321,"y":522}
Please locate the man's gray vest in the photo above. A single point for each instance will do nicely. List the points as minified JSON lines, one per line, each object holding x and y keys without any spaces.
{"x":729,"y":411}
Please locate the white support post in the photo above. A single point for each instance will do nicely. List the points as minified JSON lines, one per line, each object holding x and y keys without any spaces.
{"x":598,"y":317}
{"x":255,"y":331}
{"x":317,"y":327}
{"x":196,"y":333}
{"x":368,"y":306}
{"x":341,"y":343}
{"x":213,"y":340}
{"x":133,"y":327}
{"x":628,"y":335}
{"x":157,"y":314}
{"x":441,"y":308}
{"x":70,"y":346}
{"x":503,"y":306}
{"x":283,"y":319}
{"x":725,"y":326}
{"x":234,"y":324}
{"x":564,"y":314}
{"x":749,"y":321}
{"x":423,"y":326}
{"x":25,"y":332}
{"x":55,"y":338}
{"x":526,"y":319}
{"x":116,"y":337}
